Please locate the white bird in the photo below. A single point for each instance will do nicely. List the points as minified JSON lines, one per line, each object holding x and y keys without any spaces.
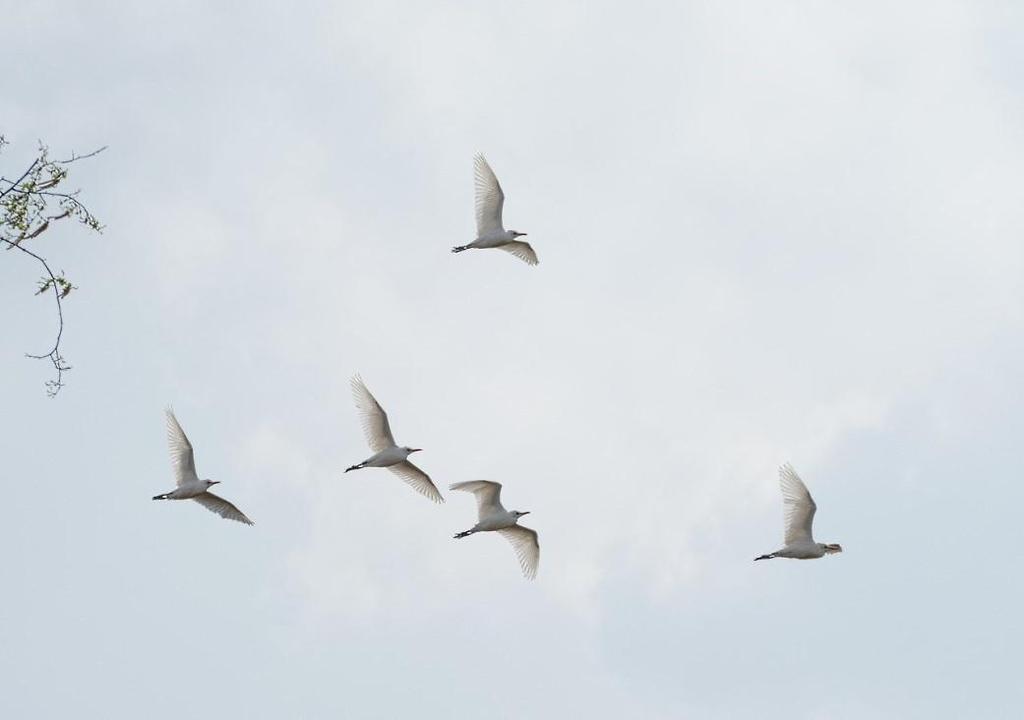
{"x":190,"y":487}
{"x":800,"y":509}
{"x":490,"y":232}
{"x":492,"y":516}
{"x":386,"y":453}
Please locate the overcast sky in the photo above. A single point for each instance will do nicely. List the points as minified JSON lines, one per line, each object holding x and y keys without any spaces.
{"x":768,"y":232}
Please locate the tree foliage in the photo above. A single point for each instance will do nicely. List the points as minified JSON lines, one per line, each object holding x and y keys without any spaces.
{"x":30,"y":205}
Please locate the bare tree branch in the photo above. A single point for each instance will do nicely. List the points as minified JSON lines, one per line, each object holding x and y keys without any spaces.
{"x":74,"y":157}
{"x":61,"y":288}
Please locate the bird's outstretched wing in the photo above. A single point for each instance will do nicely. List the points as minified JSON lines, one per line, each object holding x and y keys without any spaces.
{"x":522,"y":250}
{"x":417,"y":480}
{"x":372,"y":417}
{"x":217,"y":504}
{"x":489,"y":198}
{"x":524,"y":542}
{"x":488,"y":496}
{"x":799,"y":504}
{"x":182,"y":457}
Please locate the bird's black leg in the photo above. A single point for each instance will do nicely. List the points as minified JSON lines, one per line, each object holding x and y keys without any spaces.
{"x":463,"y":534}
{"x":459,"y":248}
{"x":765,"y":557}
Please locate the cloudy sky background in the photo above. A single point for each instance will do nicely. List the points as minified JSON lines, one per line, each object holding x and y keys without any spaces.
{"x":768,"y":232}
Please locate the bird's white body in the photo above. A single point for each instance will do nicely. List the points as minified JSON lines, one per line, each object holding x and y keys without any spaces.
{"x":387,"y":453}
{"x":802,"y":551}
{"x":490,"y":230}
{"x":187,"y":491}
{"x":800,"y":509}
{"x":493,"y":239}
{"x":387,"y":457}
{"x":495,"y":521}
{"x":190,"y":487}
{"x":493,"y":517}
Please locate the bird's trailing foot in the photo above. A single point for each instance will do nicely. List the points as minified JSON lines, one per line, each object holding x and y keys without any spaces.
{"x":460,"y":248}
{"x":161,"y":497}
{"x":355,"y":467}
{"x":769,"y":556}
{"x":462,"y":534}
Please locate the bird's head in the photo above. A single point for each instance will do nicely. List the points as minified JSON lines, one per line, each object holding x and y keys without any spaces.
{"x":829,"y":548}
{"x":211,"y":483}
{"x":410,"y":450}
{"x":516,"y":233}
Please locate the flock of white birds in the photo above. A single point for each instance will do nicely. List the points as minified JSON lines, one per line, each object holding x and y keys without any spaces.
{"x":491,"y":514}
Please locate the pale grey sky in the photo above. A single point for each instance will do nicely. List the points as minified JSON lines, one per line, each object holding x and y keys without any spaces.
{"x":768,"y":232}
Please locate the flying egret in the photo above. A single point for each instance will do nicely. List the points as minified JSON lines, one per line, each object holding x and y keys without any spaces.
{"x":387,"y":454}
{"x":490,"y":232}
{"x":492,"y":516}
{"x":800,"y":509}
{"x":190,"y":487}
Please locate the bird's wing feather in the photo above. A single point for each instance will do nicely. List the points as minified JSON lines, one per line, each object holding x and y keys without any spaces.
{"x":799,"y":504}
{"x":372,"y":417}
{"x":417,"y":480}
{"x":182,"y":456}
{"x":217,"y":504}
{"x":522,"y":250}
{"x":488,"y":496}
{"x":524,"y":542}
{"x":489,"y":198}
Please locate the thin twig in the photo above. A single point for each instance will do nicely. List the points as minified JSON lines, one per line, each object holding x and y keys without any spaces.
{"x":74,"y":157}
{"x":53,"y":386}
